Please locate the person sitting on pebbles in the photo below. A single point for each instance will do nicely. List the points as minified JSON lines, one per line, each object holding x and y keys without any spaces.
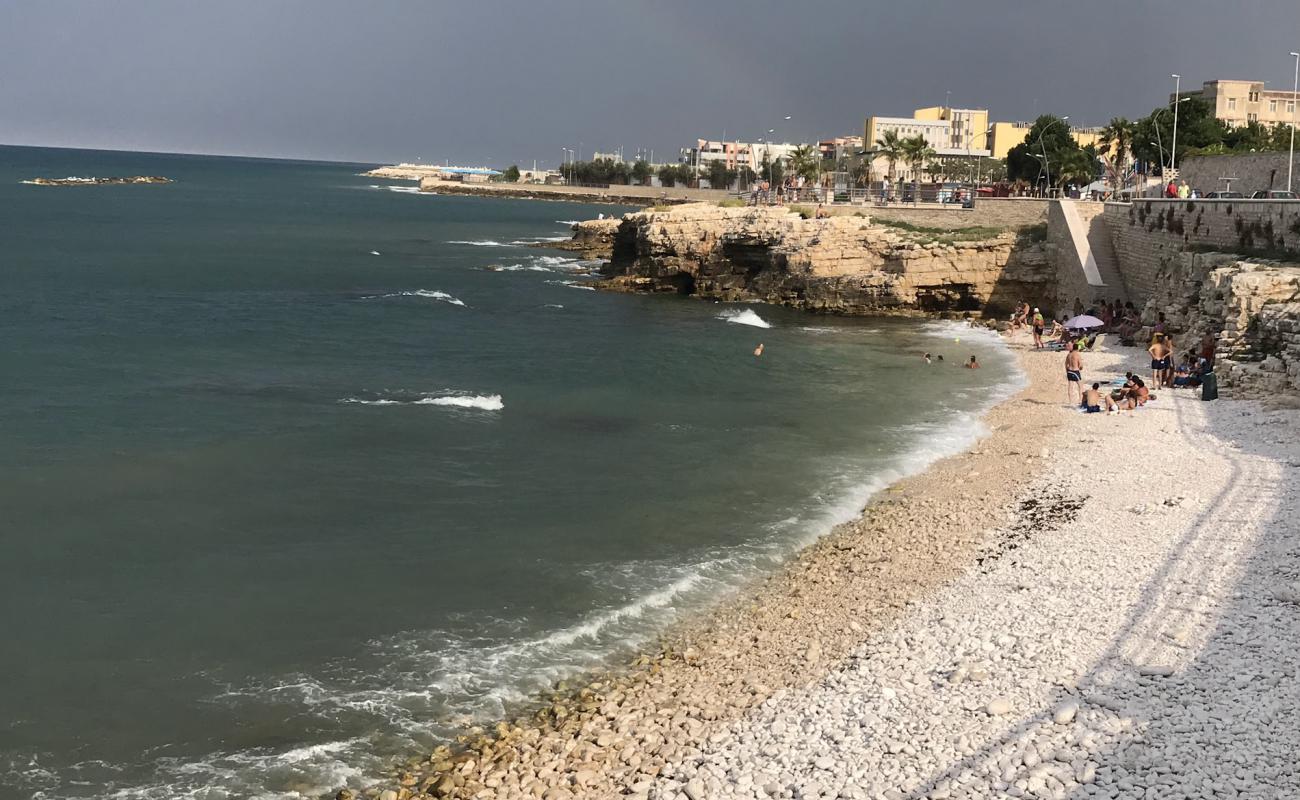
{"x":1094,"y":400}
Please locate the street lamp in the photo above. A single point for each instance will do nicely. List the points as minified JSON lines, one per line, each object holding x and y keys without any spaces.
{"x":1295,"y":84}
{"x":1173,"y":146}
{"x":1046,"y":165}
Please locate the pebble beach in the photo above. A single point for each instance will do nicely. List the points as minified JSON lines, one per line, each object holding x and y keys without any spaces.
{"x":1079,"y":606}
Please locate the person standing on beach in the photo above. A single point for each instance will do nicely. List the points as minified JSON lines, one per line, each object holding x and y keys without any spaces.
{"x":1073,"y":373}
{"x":1038,"y":322}
{"x":1160,"y":358}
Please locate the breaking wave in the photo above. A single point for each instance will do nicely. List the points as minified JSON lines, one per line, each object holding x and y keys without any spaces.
{"x":482,"y":243}
{"x":490,"y":402}
{"x":431,"y":294}
{"x":744,"y":317}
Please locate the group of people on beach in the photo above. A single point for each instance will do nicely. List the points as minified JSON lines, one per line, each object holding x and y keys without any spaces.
{"x":1132,"y":394}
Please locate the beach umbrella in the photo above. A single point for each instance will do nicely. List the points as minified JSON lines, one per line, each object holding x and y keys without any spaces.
{"x":1083,"y":322}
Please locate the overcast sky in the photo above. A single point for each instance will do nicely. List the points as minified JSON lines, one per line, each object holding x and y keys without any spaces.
{"x":501,"y":81}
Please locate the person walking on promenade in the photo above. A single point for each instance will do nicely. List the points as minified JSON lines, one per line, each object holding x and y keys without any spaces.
{"x":1073,"y":373}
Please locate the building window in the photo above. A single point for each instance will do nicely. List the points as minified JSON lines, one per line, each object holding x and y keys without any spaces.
{"x":1272,"y":106}
{"x":1232,"y":104}
{"x":1252,"y":117}
{"x":1290,"y":106}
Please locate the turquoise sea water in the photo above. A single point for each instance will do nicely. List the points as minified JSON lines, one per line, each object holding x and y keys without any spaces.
{"x":292,"y":482}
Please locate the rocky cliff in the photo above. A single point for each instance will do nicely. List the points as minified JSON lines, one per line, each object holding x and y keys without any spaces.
{"x":841,"y":264}
{"x":1251,"y":308}
{"x":593,"y":238}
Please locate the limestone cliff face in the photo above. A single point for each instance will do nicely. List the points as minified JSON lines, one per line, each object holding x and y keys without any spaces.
{"x":1252,"y":309}
{"x":593,"y":238}
{"x":841,"y":265}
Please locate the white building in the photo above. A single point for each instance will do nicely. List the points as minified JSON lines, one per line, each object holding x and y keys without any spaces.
{"x":737,"y":154}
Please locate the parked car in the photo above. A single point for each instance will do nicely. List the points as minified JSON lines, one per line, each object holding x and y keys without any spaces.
{"x":1274,"y":194}
{"x":1225,"y":196}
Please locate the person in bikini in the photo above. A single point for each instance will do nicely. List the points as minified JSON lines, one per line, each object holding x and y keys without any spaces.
{"x":1073,"y":373}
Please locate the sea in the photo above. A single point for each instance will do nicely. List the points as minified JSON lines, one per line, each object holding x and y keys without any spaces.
{"x":303,"y":472}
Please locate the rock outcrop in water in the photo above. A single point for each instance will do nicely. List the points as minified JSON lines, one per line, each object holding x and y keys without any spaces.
{"x":842,"y":264}
{"x":73,"y":181}
{"x":593,"y":238}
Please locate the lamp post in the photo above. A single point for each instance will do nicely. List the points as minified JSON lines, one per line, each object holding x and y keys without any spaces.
{"x":1295,"y":84}
{"x":1173,"y":146}
{"x":1046,"y":164}
{"x":979,"y":162}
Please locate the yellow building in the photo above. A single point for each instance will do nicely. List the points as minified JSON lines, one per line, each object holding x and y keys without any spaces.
{"x":1007,"y":135}
{"x":967,"y":126}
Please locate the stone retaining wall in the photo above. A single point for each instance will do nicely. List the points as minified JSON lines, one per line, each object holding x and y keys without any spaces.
{"x":1250,"y":172}
{"x":1149,"y":233}
{"x":1251,"y":309}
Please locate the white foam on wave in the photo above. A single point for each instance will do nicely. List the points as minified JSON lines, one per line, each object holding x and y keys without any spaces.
{"x":566,"y":222}
{"x":490,"y":402}
{"x":573,"y":285}
{"x":744,"y":317}
{"x":517,"y":268}
{"x":374,"y":252}
{"x":431,"y":294}
{"x":530,"y":240}
{"x":481,"y":243}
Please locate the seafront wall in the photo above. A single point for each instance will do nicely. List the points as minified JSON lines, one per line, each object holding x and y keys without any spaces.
{"x":1250,"y":172}
{"x":1148,"y":234}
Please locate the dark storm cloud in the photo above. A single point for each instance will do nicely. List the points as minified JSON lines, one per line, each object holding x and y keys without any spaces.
{"x":496,"y":81}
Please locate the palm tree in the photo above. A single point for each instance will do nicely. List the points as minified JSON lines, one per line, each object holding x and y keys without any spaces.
{"x":803,"y":161}
{"x":1116,"y":143}
{"x":891,"y":147}
{"x":917,"y":151}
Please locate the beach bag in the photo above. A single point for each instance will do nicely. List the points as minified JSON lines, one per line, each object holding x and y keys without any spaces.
{"x":1209,"y":387}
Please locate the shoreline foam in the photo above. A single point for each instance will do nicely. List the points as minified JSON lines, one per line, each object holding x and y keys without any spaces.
{"x":769,"y":636}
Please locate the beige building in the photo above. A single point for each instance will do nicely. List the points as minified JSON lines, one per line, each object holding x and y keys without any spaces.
{"x":1241,"y":102}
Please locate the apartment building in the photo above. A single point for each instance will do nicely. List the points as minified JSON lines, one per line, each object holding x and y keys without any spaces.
{"x":1239,"y":102}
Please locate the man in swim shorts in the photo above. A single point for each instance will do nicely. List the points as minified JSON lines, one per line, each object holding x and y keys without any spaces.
{"x":1038,"y":323}
{"x":1160,"y":360}
{"x":1092,"y":399}
{"x":1073,"y":373}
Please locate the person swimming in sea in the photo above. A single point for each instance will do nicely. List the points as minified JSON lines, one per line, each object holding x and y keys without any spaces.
{"x":758,"y":351}
{"x":972,"y":364}
{"x":927,"y":359}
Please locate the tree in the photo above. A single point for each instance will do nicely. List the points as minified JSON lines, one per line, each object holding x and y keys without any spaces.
{"x":668,"y":175}
{"x":511,"y":174}
{"x":860,"y":172}
{"x":772,"y":171}
{"x":891,"y":147}
{"x":1153,"y":135}
{"x":1049,"y":138}
{"x":641,"y":172}
{"x":804,"y":161}
{"x":937,"y":169}
{"x":1251,"y":137}
{"x":1116,"y":143}
{"x":719,"y":175}
{"x":993,"y":170}
{"x":916,"y":150}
